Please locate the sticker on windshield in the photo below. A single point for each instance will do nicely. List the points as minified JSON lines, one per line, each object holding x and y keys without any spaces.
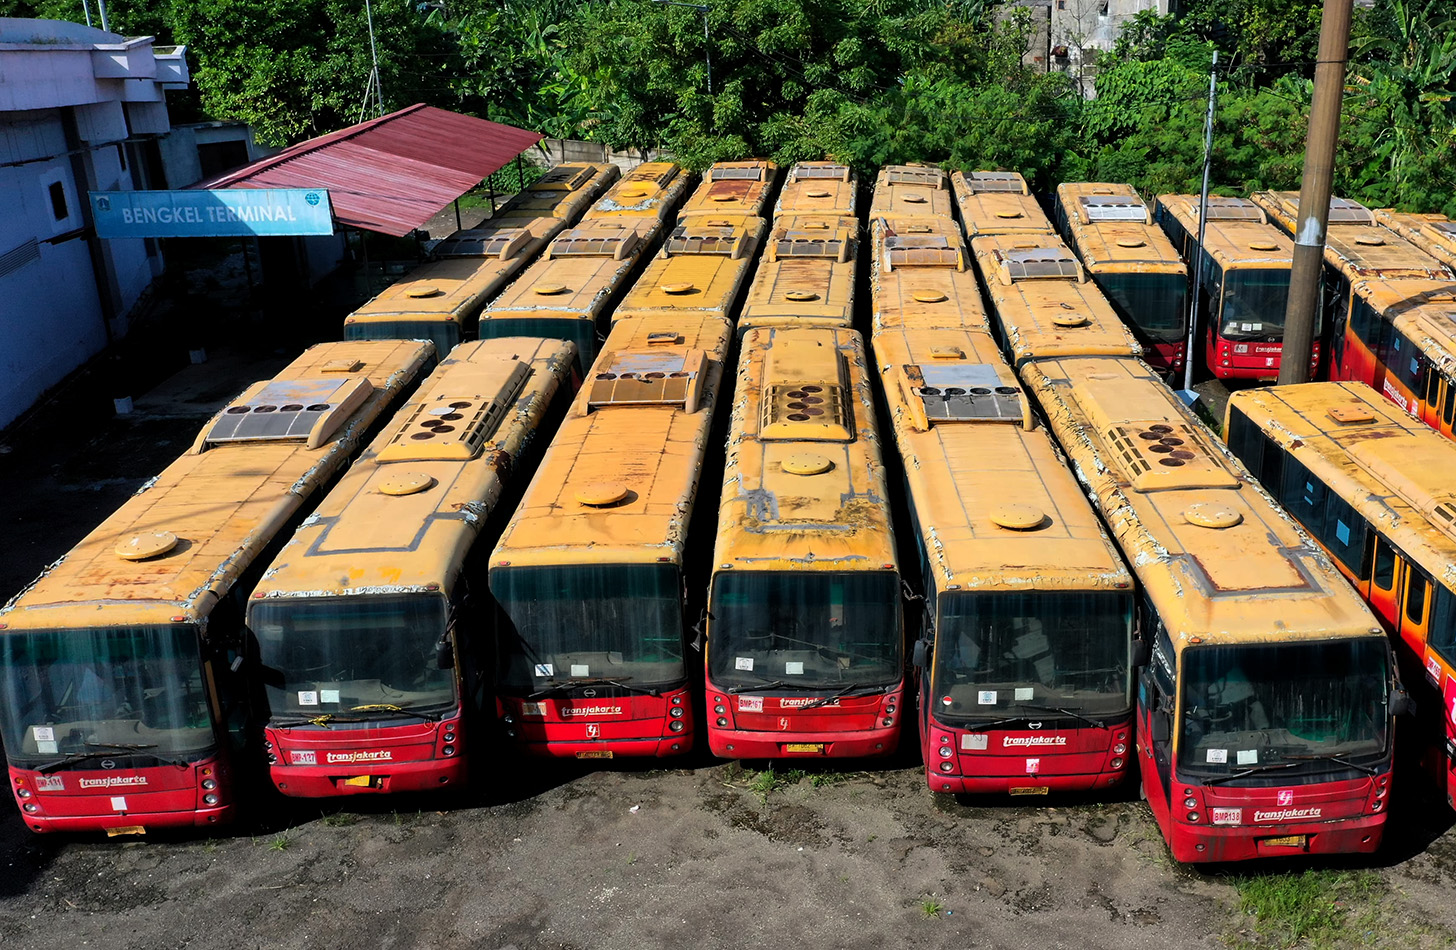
{"x":118,"y":803}
{"x":581,"y":669}
{"x":986,"y":697}
{"x":545,"y":669}
{"x":1033,"y":766}
{"x":743,"y":663}
{"x":1217,"y":755}
{"x":307,"y":697}
{"x":47,"y":748}
{"x":1248,"y":756}
{"x":328,"y":696}
{"x":1023,"y":693}
{"x":975,"y":741}
{"x":793,"y":668}
{"x":750,"y":704}
{"x":43,"y":733}
{"x":50,"y":783}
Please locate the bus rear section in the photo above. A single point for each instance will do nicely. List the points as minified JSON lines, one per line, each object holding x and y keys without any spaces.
{"x":805,"y":644}
{"x":819,"y":188}
{"x":593,"y":574}
{"x":371,"y":625}
{"x":564,"y":193}
{"x":998,"y":203}
{"x":121,"y":705}
{"x":921,"y":276}
{"x":1133,"y":262}
{"x":912,"y":191}
{"x":807,"y":274}
{"x":733,"y":188}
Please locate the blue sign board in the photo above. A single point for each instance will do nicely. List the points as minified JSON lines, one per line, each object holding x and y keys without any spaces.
{"x":227,"y":212}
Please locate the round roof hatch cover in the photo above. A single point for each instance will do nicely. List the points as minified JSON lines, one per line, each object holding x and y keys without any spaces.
{"x":547,"y":290}
{"x":1263,"y":246}
{"x":1211,"y":514}
{"x":929,"y":296}
{"x":1370,"y":240}
{"x":1131,"y":242}
{"x":139,"y":547}
{"x":1017,"y":517}
{"x":915,"y":199}
{"x":678,"y":288}
{"x":406,"y":483}
{"x":423,"y":290}
{"x":802,"y":295}
{"x":1008,"y":214}
{"x":807,"y":463}
{"x":633,"y":192}
{"x":601,"y":494}
{"x":1068,"y":320}
{"x":818,"y":193}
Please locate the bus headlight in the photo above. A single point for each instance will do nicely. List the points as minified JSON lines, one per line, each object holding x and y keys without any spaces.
{"x":23,"y":792}
{"x":719,"y":710}
{"x":209,"y":784}
{"x":1119,"y":749}
{"x":31,"y":807}
{"x":209,"y":799}
{"x":1190,"y":803}
{"x":449,"y":737}
{"x":676,"y":712}
{"x":676,"y":725}
{"x":1193,"y":816}
{"x":448,"y":750}
{"x":945,"y":751}
{"x":947,"y":766}
{"x":677,"y":700}
{"x":722,"y":723}
{"x":1117,"y":763}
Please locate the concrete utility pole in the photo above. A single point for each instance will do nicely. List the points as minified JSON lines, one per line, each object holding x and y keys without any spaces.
{"x":1187,"y":393}
{"x":1314,"y":192}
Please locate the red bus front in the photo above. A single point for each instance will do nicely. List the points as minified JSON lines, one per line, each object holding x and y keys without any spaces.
{"x":1165,"y":356}
{"x":124,"y":794}
{"x":1154,"y":306}
{"x":1236,"y":359}
{"x":1036,"y":759}
{"x":329,"y":758}
{"x":600,"y":722}
{"x":1274,"y":750}
{"x":804,"y":663}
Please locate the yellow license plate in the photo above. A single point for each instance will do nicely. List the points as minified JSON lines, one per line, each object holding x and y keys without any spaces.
{"x":1029,"y":790}
{"x":602,"y":754}
{"x":360,"y":781}
{"x":1288,"y":841}
{"x":125,"y":830}
{"x":803,"y":747}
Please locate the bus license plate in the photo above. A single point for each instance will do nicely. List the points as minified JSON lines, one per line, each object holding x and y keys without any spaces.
{"x":597,"y":754}
{"x":804,"y":747}
{"x":1288,"y":841}
{"x":1030,"y":790}
{"x":126,"y":830}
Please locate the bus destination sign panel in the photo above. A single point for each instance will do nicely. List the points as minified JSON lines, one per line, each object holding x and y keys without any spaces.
{"x":228,"y":212}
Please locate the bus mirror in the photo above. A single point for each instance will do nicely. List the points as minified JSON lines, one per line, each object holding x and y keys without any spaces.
{"x":1401,"y":704}
{"x":444,"y":655}
{"x":1160,"y":727}
{"x":921,"y":655}
{"x":1139,"y":653}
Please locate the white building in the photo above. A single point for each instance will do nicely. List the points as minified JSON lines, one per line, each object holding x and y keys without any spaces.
{"x":1079,"y":28}
{"x":80,"y":110}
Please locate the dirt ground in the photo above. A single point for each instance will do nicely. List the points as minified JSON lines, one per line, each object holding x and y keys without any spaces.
{"x":707,"y":855}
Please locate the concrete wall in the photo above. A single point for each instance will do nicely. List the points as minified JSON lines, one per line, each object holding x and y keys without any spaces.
{"x":572,"y":150}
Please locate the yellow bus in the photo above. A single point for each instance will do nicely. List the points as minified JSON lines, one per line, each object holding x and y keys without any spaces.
{"x":564,"y":192}
{"x":733,"y":188}
{"x":701,"y":270}
{"x":1245,"y":290}
{"x":647,"y":197}
{"x":1433,"y":233}
{"x":912,"y":191}
{"x":1374,"y":486}
{"x":592,"y":574}
{"x":1025,"y":657}
{"x":1132,"y":260}
{"x":819,"y":188}
{"x":1044,"y":304}
{"x":122,"y":667}
{"x":1356,"y":246}
{"x":998,"y":203}
{"x":572,"y":289}
{"x":807,"y":274}
{"x":372,"y":625}
{"x":805,"y":646}
{"x":1265,"y":712}
{"x":921,"y":276}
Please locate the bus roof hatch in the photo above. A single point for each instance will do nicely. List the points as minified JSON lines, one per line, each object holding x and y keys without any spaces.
{"x":291,"y":410}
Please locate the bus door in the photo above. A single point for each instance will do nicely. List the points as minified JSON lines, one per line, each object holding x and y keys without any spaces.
{"x":1438,"y":402}
{"x":1156,"y":705}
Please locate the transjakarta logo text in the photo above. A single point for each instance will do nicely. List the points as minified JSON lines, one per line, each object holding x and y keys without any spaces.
{"x":1027,"y":741}
{"x":113,"y":781}
{"x":383,"y":755}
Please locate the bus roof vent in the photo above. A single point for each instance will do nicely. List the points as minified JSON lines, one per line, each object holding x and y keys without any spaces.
{"x":829,"y":170}
{"x":1162,"y":455}
{"x":997,"y":181}
{"x":656,"y":173}
{"x":1344,"y":211}
{"x":1351,"y":414}
{"x":1417,"y":468}
{"x":591,"y":242}
{"x":456,"y":427}
{"x":696,"y":239}
{"x":964,"y":392}
{"x":1113,"y":208}
{"x":804,"y":394}
{"x":504,"y":243}
{"x":294,"y":410}
{"x":660,"y":377}
{"x":908,"y":175}
{"x":1447,"y":228}
{"x":1039,"y":263}
{"x":794,"y":243}
{"x":923,"y":250}
{"x":730,"y":171}
{"x":564,"y":178}
{"x":1221,"y":208}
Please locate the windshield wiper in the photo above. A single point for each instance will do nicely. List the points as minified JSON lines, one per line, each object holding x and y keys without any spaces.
{"x":99,"y":750}
{"x":844,"y":691}
{"x":1066,"y":712}
{"x":977,"y":726}
{"x":776,"y":684}
{"x":1337,"y":759}
{"x":393,"y":710}
{"x":1243,"y":773}
{"x":600,"y":681}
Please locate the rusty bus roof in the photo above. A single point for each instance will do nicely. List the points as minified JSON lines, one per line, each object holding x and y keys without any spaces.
{"x":1433,"y":233}
{"x":921,"y":275}
{"x":1392,"y":469}
{"x":1220,"y":561}
{"x":563,"y":192}
{"x":912,"y":191}
{"x":618,"y":483}
{"x":819,"y":188}
{"x":1424,"y":311}
{"x":1356,"y":246}
{"x":452,"y":289}
{"x":804,"y":485}
{"x":978,"y":472}
{"x":733,"y":188}
{"x":1112,"y":230}
{"x":582,"y":272}
{"x":503,"y":239}
{"x":1083,"y":202}
{"x":998,"y":211}
{"x":701,"y":270}
{"x":1283,"y":208}
{"x":1045,"y":305}
{"x":807,"y":274}
{"x":408,"y":510}
{"x":177,"y":546}
{"x":1237,"y":233}
{"x":651,"y":191}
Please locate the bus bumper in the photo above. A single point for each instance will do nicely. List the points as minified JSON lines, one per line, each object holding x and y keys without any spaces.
{"x":333,"y":781}
{"x":1021,"y":784}
{"x":741,"y":744}
{"x":647,"y":747}
{"x":134,"y":823}
{"x":1197,"y":844}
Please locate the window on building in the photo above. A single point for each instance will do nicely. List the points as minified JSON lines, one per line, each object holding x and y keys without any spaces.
{"x":58,"y":201}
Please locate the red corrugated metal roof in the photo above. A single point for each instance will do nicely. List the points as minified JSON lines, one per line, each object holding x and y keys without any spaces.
{"x":393,"y":173}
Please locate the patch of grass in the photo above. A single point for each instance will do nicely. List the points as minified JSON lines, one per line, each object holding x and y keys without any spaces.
{"x":931,"y":907}
{"x":340,"y":819}
{"x":768,"y":781}
{"x":279,"y":843}
{"x":1309,"y":908}
{"x":828,"y":779}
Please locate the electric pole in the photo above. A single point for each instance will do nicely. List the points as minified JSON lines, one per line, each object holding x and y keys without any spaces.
{"x":707,"y":39}
{"x":1187,"y":393}
{"x":1314,"y":192}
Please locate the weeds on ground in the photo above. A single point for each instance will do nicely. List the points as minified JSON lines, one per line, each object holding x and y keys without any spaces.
{"x":1318,"y":909}
{"x":279,"y":843}
{"x":931,"y":907}
{"x":767,"y":782}
{"x":340,"y":819}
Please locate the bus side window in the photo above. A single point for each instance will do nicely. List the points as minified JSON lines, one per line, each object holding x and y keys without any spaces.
{"x":1415,"y":596}
{"x":1246,"y":441}
{"x":1304,"y":496}
{"x":1345,"y":537}
{"x":1362,"y":322}
{"x":1442,"y":637}
{"x":1448,"y":409}
{"x":1384,"y":565}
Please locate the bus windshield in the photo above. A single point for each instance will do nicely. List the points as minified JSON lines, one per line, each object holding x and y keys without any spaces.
{"x":1248,"y":707}
{"x":444,"y":334}
{"x":584,"y":623}
{"x":997,"y":651}
{"x":337,"y":654}
{"x":109,"y":690}
{"x":1253,"y":305}
{"x":805,"y":629}
{"x":1151,"y":303}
